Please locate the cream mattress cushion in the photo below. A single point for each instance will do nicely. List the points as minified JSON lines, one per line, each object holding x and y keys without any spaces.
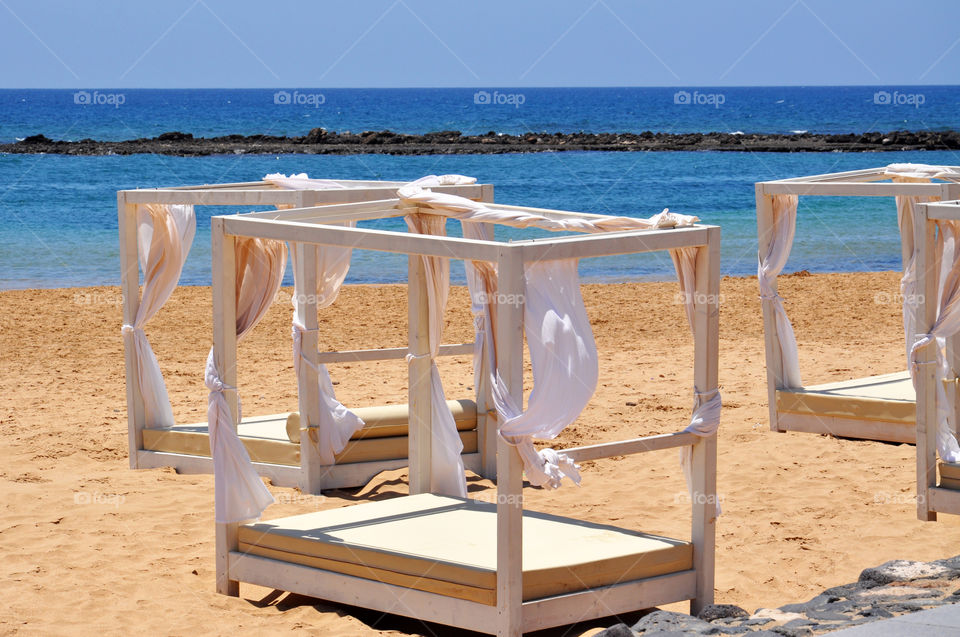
{"x":448,"y":546}
{"x":265,"y":439}
{"x":887,"y":398}
{"x":384,"y":421}
{"x":949,"y":475}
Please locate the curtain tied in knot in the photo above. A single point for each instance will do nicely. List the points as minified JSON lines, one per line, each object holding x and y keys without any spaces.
{"x":704,"y":423}
{"x":546,"y":467}
{"x":298,"y":330}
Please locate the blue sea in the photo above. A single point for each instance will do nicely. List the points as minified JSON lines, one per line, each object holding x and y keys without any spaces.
{"x":58,"y":220}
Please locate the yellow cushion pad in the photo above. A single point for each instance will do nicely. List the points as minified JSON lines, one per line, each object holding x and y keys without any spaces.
{"x":383,"y":421}
{"x":886,"y":398}
{"x":447,"y":546}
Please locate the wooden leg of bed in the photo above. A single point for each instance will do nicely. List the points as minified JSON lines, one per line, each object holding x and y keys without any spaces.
{"x":226,"y":542}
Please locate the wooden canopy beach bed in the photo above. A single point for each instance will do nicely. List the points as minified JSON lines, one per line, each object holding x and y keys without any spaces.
{"x":935,"y":358}
{"x":436,"y":555}
{"x":164,"y":220}
{"x":878,"y":407}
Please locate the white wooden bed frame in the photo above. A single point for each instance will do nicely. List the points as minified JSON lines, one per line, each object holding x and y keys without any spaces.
{"x":857,"y":183}
{"x":511,"y":615}
{"x":932,"y":497}
{"x":259,"y":193}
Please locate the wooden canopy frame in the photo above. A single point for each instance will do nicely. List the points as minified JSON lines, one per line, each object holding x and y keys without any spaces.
{"x":157,"y":451}
{"x":873,"y":408}
{"x":932,"y":495}
{"x":511,"y":613}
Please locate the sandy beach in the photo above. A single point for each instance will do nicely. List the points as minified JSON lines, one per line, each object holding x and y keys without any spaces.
{"x":93,"y":548}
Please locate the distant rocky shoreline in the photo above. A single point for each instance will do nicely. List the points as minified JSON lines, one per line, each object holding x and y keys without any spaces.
{"x":321,"y":142}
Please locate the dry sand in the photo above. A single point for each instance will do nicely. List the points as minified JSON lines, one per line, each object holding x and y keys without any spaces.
{"x":91,"y":547}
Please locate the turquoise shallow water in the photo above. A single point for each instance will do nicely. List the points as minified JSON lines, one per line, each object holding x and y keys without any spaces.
{"x":58,"y":220}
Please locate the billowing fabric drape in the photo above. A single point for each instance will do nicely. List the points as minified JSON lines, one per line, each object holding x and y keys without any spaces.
{"x":446,"y":470}
{"x":912,"y":173}
{"x":562,"y":350}
{"x":946,"y":324}
{"x":482,"y":282}
{"x":706,"y":401}
{"x":430,"y":181}
{"x":302,"y":182}
{"x":908,"y":283}
{"x":469,"y":210}
{"x":923,"y":172}
{"x":771,"y":264}
{"x":164,"y":236}
{"x":337,"y":423}
{"x":239,"y":493}
{"x":564,"y":359}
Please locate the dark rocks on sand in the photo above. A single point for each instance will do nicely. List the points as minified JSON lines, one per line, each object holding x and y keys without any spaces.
{"x":663,"y":621}
{"x":713,"y":612}
{"x":889,"y":590}
{"x":618,"y":630}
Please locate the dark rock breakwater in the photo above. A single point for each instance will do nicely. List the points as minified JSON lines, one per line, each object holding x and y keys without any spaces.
{"x":322,"y":142}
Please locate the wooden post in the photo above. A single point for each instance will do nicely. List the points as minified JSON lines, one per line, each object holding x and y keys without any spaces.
{"x":130,"y":289}
{"x":705,"y":373}
{"x":926,"y":376}
{"x":308,"y":392}
{"x":509,"y":466}
{"x":225,"y":356}
{"x":487,"y":423}
{"x":771,"y":340}
{"x":420,"y":388}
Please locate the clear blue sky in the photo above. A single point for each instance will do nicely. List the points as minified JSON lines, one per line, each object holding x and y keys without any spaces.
{"x":491,"y":43}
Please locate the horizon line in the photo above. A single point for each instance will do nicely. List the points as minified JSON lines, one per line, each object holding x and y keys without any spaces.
{"x":465,"y":87}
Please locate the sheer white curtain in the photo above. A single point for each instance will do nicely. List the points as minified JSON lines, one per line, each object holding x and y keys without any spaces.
{"x":771,"y":264}
{"x":562,"y":350}
{"x":446,"y":470}
{"x":562,"y":353}
{"x":164,"y":236}
{"x":302,"y":182}
{"x":482,"y":282}
{"x":906,"y":204}
{"x":908,"y":283}
{"x":469,"y":210}
{"x":239,"y":493}
{"x":706,"y":401}
{"x":337,"y":423}
{"x":946,"y":324}
{"x":923,"y":172}
{"x":429,"y":181}
{"x":565,"y":370}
